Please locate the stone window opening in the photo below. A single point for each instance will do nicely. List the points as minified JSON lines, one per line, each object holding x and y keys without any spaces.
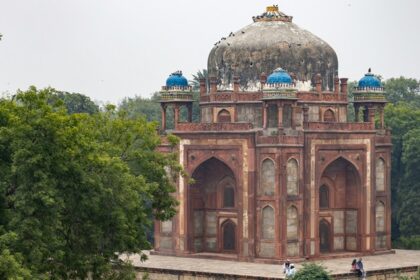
{"x":228,"y":197}
{"x":324,"y":197}
{"x":380,"y":175}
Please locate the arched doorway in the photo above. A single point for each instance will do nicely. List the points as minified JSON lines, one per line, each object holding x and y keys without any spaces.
{"x":324,"y":236}
{"x":229,"y":236}
{"x":340,"y":198}
{"x":212,"y":199}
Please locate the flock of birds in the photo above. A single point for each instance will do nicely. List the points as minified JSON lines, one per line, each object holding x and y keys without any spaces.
{"x":231,"y":34}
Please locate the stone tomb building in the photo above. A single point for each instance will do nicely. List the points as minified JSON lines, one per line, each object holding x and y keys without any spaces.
{"x":279,"y":172}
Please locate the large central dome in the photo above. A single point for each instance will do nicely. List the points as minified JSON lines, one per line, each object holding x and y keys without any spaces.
{"x":271,"y":41}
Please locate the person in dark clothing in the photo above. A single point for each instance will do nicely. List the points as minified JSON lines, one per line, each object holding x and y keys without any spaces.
{"x":360,"y":268}
{"x":353,"y":265}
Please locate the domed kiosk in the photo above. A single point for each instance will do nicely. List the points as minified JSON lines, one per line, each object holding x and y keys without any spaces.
{"x":272,"y":40}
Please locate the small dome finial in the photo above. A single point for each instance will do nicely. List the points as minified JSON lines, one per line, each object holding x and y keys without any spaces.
{"x":273,"y":8}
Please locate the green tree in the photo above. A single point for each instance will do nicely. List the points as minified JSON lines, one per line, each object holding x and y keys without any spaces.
{"x":142,"y":107}
{"x":402,"y":90}
{"x":76,"y":189}
{"x":76,"y":102}
{"x":312,"y":271}
{"x":201,"y":74}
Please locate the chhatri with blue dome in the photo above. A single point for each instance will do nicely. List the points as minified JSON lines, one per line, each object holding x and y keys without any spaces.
{"x":176,"y":79}
{"x":279,"y":76}
{"x":369,"y":81}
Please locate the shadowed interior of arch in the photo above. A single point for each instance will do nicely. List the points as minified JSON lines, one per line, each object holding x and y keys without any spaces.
{"x":212,"y":199}
{"x":339,"y":201}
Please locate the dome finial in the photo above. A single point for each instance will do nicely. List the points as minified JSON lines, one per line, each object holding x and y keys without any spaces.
{"x":369,"y":70}
{"x":273,"y":8}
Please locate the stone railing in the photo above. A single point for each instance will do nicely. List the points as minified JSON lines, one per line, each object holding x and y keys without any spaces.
{"x":221,"y":96}
{"x":213,"y":127}
{"x":249,"y":96}
{"x":279,"y":94}
{"x":166,"y":96}
{"x":355,"y":126}
{"x":280,"y":139}
{"x":324,"y":96}
{"x":378,"y":96}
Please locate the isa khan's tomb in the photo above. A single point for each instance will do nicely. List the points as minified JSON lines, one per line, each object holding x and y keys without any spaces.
{"x":278,"y":169}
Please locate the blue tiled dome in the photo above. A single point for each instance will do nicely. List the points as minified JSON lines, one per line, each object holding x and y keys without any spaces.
{"x":176,"y":80}
{"x":279,"y":76}
{"x":370,"y":81}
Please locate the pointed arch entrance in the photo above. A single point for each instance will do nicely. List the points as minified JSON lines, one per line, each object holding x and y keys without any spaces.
{"x":339,"y":196}
{"x":212,"y":203}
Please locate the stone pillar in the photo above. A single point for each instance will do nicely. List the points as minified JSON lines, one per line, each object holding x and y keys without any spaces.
{"x":203,"y":87}
{"x":176,"y":115}
{"x":189,"y":107}
{"x":280,"y":115}
{"x":265,"y":115}
{"x":372,"y":111}
{"x":235,"y":83}
{"x":213,"y":84}
{"x":305,"y":116}
{"x":318,"y":83}
{"x":336,"y":85}
{"x":365,"y":114}
{"x":163,"y":121}
{"x":356,"y":113}
{"x":293,"y":117}
{"x":343,"y":89}
{"x":263,"y":79}
{"x":381,"y":116}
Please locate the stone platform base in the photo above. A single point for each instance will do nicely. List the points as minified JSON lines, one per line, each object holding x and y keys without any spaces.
{"x":378,"y":267}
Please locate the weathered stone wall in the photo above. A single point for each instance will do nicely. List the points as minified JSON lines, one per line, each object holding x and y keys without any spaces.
{"x":251,"y":113}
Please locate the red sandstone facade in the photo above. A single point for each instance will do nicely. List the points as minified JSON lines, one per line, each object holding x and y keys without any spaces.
{"x":279,"y":173}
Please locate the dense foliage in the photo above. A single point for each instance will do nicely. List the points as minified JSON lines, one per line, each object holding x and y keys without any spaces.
{"x":311,"y":271}
{"x":76,"y":189}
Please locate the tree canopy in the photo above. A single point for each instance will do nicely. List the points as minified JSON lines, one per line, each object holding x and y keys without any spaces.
{"x":76,"y":189}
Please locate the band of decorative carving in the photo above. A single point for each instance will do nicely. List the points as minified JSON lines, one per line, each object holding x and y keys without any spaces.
{"x":356,"y":126}
{"x":213,"y":126}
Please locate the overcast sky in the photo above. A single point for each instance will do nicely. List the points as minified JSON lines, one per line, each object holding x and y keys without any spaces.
{"x":111,"y":49}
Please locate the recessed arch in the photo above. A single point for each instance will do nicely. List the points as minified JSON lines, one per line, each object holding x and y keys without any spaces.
{"x":267,"y":178}
{"x":292,"y":223}
{"x":267,"y":223}
{"x":329,"y":116}
{"x":344,"y":197}
{"x":229,"y":235}
{"x":292,"y":170}
{"x":324,"y":197}
{"x":214,"y":186}
{"x":223,"y":116}
{"x":380,"y":174}
{"x":380,"y":216}
{"x":324,"y":236}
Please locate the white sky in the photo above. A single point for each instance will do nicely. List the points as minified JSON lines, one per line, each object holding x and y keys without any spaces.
{"x":110,"y":49}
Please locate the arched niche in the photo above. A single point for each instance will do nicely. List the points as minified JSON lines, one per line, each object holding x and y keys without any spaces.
{"x":380,"y":175}
{"x":267,"y":178}
{"x":229,"y":236}
{"x":329,"y":116}
{"x":324,"y":236}
{"x":224,"y":116}
{"x":214,"y":181}
{"x":292,"y":223}
{"x":267,"y":223}
{"x":324,"y":197}
{"x":292,"y":177}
